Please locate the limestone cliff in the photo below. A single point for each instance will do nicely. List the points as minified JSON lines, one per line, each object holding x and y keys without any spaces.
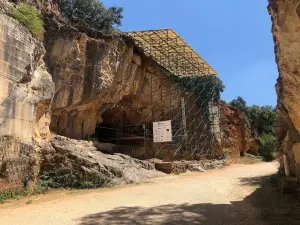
{"x":26,"y":89}
{"x":107,"y":79}
{"x":286,"y":24}
{"x":100,"y":78}
{"x":93,"y":74}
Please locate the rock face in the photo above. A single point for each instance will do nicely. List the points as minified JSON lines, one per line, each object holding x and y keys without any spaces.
{"x":26,"y":89}
{"x":108,"y":80}
{"x":101,"y":79}
{"x":234,"y":134}
{"x":73,"y":163}
{"x":286,"y":24}
{"x":98,"y":79}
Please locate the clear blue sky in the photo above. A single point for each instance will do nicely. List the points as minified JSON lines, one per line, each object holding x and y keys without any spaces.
{"x":234,"y":36}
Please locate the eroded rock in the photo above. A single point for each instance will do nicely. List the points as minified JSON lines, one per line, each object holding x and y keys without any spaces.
{"x":79,"y":164}
{"x":285,"y":28}
{"x":234,"y":132}
{"x":103,"y":80}
{"x":26,"y":89}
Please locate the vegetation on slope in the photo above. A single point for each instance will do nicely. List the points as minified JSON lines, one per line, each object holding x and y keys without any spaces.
{"x":261,"y":122}
{"x":29,"y":16}
{"x":92,"y":14}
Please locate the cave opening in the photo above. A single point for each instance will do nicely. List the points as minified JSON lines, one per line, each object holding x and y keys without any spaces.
{"x":128,"y":126}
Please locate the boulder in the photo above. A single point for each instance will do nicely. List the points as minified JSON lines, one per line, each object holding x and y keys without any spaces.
{"x":79,"y":164}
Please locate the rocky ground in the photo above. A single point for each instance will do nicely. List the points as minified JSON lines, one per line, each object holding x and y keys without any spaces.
{"x":84,"y":164}
{"x":235,"y":195}
{"x":79,"y":164}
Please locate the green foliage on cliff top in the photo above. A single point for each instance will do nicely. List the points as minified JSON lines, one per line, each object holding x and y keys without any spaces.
{"x":260,"y":120}
{"x":92,"y":14}
{"x":29,"y":16}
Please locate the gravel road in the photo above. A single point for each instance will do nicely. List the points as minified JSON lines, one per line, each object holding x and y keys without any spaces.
{"x":238,"y":194}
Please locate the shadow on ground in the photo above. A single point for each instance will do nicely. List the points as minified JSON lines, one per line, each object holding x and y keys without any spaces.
{"x":264,"y":206}
{"x":254,"y":181}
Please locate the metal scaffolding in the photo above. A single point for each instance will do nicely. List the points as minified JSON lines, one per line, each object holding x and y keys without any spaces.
{"x":183,"y":93}
{"x":170,"y":51}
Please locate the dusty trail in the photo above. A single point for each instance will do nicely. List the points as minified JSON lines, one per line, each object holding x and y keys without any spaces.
{"x":228,"y":196}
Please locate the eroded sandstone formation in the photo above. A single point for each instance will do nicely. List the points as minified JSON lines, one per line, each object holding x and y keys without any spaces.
{"x":26,"y":89}
{"x":98,"y":79}
{"x":91,"y":76}
{"x":286,"y":24}
{"x":79,"y":164}
{"x":102,"y":75}
{"x":235,"y":135}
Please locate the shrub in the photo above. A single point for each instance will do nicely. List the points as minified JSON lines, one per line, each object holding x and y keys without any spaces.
{"x":92,"y":14}
{"x":13,"y":193}
{"x":206,"y":89}
{"x":29,"y":16}
{"x":59,"y":179}
{"x":227,"y":151}
{"x":268,"y":145}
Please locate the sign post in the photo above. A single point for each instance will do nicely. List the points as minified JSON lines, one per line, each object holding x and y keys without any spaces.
{"x":162,"y":131}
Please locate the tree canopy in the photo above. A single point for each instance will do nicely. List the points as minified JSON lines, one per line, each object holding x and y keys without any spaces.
{"x":92,"y":14}
{"x":206,"y":88}
{"x":260,"y":120}
{"x":239,"y":103}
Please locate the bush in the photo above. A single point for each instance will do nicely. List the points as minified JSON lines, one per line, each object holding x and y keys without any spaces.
{"x":29,"y":16}
{"x":206,"y":89}
{"x":55,"y":179}
{"x":9,"y":194}
{"x":227,"y":151}
{"x":92,"y":14}
{"x":268,"y":145}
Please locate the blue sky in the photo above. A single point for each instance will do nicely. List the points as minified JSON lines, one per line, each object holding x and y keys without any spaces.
{"x":233,"y":36}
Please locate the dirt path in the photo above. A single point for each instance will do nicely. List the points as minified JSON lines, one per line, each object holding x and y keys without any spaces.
{"x":228,"y":196}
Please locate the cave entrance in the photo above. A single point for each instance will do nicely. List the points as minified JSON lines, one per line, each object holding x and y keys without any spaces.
{"x":127,"y":126}
{"x":134,"y":135}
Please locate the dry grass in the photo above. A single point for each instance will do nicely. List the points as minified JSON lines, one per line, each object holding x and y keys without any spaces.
{"x":246,"y":160}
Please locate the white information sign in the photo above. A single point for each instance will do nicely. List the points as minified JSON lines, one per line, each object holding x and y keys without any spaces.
{"x":162,"y":131}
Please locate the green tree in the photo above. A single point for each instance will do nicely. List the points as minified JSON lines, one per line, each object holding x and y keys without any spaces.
{"x":252,"y":114}
{"x":268,"y":146}
{"x":266,"y":120}
{"x":260,"y":120}
{"x":239,"y":103}
{"x":206,"y":88}
{"x":29,"y":16}
{"x":92,"y":14}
